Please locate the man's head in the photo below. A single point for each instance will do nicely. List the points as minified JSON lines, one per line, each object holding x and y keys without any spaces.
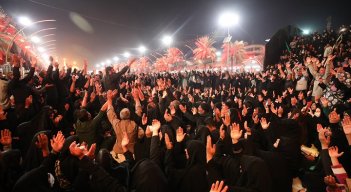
{"x":124,"y":114}
{"x":84,"y":115}
{"x":109,"y":70}
{"x":203,"y":108}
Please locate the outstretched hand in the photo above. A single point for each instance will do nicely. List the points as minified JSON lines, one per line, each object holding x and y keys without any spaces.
{"x":264,"y":123}
{"x":5,"y":137}
{"x":235,"y":133}
{"x":80,"y":151}
{"x":180,"y":135}
{"x":346,"y":125}
{"x":169,"y":144}
{"x":210,"y":149}
{"x":57,"y":142}
{"x":218,"y":187}
{"x":42,"y":143}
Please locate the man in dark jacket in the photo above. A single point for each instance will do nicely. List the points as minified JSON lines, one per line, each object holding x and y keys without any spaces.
{"x":111,"y":79}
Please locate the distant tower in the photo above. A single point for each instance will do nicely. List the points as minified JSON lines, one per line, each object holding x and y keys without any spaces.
{"x":329,"y":23}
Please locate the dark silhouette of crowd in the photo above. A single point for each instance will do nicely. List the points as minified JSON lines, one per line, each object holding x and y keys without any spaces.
{"x":285,"y":128}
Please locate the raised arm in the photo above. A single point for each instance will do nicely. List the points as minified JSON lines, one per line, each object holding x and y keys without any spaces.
{"x":111,"y":115}
{"x":33,"y":63}
{"x":310,"y":66}
{"x":123,"y":70}
{"x":73,"y":84}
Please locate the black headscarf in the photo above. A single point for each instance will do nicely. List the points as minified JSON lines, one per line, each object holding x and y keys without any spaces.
{"x":144,"y":176}
{"x":34,"y":156}
{"x":27,"y":130}
{"x":193,"y":177}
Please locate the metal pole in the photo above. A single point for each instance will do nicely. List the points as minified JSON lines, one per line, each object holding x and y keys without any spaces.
{"x":18,"y":32}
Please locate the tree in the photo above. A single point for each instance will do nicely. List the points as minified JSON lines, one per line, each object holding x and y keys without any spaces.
{"x":204,"y":49}
{"x":143,"y":64}
{"x":174,"y":56}
{"x":161,"y":64}
{"x":236,"y":52}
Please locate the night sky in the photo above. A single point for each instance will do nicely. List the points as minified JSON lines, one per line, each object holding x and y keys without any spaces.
{"x":122,"y":25}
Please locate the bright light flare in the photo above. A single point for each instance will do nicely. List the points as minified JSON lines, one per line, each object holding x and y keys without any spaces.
{"x":167,"y":40}
{"x":35,"y":39}
{"x":306,"y":31}
{"x":24,"y":21}
{"x":41,"y":49}
{"x":126,"y":54}
{"x":142,"y":49}
{"x":228,"y":19}
{"x":115,"y":58}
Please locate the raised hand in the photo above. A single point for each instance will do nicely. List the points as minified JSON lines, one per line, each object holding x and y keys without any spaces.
{"x":5,"y":137}
{"x":323,"y":136}
{"x":308,"y":60}
{"x":156,"y":125}
{"x":210,"y":149}
{"x":182,"y":108}
{"x":273,"y":109}
{"x":74,"y":78}
{"x":167,"y":116}
{"x":235,"y":133}
{"x":218,"y":187}
{"x":180,"y":135}
{"x":168,"y":142}
{"x":144,"y":119}
{"x":346,"y":125}
{"x":42,"y":144}
{"x":290,"y":90}
{"x":333,"y":152}
{"x":264,"y":123}
{"x":57,"y":142}
{"x":173,"y":110}
{"x":135,"y":94}
{"x":80,"y":151}
{"x":247,"y":128}
{"x":148,"y":132}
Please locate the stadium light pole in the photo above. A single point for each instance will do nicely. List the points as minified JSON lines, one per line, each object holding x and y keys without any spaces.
{"x":228,"y":19}
{"x":26,"y":22}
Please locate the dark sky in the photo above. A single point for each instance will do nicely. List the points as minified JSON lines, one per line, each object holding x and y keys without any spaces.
{"x":120,"y":25}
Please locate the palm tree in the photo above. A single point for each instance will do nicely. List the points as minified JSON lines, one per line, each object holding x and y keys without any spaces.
{"x":174,"y":56}
{"x":204,"y":49}
{"x":143,"y":64}
{"x":236,"y":52}
{"x":161,"y":64}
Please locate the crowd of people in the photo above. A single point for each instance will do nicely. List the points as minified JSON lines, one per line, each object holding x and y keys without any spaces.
{"x":286,"y":128}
